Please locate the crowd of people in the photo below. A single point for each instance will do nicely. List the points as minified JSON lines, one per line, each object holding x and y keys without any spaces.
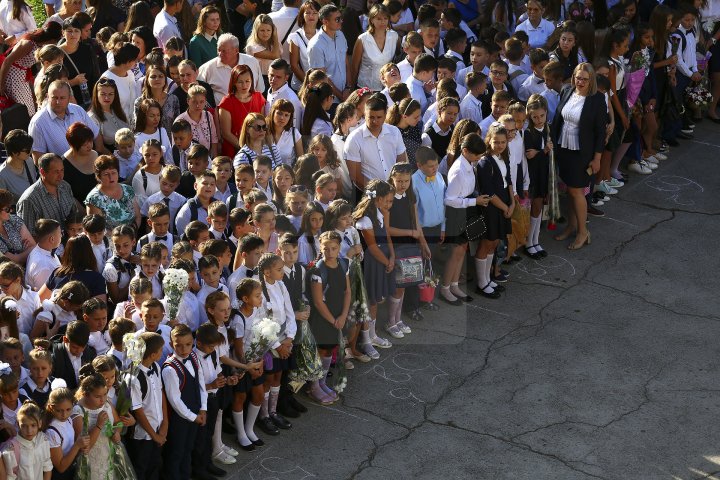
{"x":302,"y":164}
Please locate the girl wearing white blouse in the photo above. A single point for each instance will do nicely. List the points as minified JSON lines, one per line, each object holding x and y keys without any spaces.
{"x":461,"y":200}
{"x":373,"y":49}
{"x":299,"y":39}
{"x":284,"y":135}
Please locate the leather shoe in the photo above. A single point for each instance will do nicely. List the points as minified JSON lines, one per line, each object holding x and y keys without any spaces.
{"x":456,"y":303}
{"x":267,"y":426}
{"x":499,"y":288}
{"x":280,"y":421}
{"x":199,"y":475}
{"x":258,"y":443}
{"x":215,"y":470}
{"x":495,"y":294}
{"x":287,"y":411}
{"x":247,"y":448}
{"x":295,"y":403}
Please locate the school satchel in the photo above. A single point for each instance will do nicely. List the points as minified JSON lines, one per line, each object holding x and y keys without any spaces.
{"x":409,"y":270}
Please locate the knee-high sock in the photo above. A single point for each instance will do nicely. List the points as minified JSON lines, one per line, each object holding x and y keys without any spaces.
{"x":531,"y":232}
{"x":217,"y":434}
{"x":264,"y":412}
{"x":393,"y":309}
{"x":252,"y":413}
{"x":240,"y":427}
{"x":480,"y":272}
{"x":536,"y":230}
{"x":273,"y":399}
{"x":398,"y":315}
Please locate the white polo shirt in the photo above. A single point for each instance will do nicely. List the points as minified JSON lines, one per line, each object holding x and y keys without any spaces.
{"x":537,"y":35}
{"x":377,"y":155}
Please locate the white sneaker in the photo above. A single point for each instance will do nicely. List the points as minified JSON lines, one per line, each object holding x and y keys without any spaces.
{"x":637,"y":167}
{"x":652,"y":159}
{"x":403,"y":328}
{"x":650,"y":165}
{"x":224,"y":458}
{"x":597,"y":203}
{"x":614,"y":182}
{"x":349,"y":365}
{"x":608,"y":189}
{"x":380,"y":343}
{"x":687,"y":131}
{"x":660,"y":156}
{"x":230,"y":451}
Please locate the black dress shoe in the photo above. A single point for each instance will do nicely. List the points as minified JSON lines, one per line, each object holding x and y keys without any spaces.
{"x":495,"y":293}
{"x":295,"y":404}
{"x":280,"y":421}
{"x":215,"y":470}
{"x":534,"y":256}
{"x":466,"y":298}
{"x":258,"y":443}
{"x":499,"y":288}
{"x":287,"y":411}
{"x":247,"y":448}
{"x":267,"y":426}
{"x":456,"y":303}
{"x":198,"y":475}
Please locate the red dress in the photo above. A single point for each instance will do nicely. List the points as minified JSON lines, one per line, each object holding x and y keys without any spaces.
{"x":238,"y":111}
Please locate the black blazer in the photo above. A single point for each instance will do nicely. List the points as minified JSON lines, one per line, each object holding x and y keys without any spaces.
{"x":592,"y":124}
{"x":486,"y":98}
{"x":62,"y":367}
{"x":490,"y":180}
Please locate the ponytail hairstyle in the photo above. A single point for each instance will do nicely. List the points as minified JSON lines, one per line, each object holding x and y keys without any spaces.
{"x":405,"y":107}
{"x":615,"y":35}
{"x":89,"y":382}
{"x":266,"y":262}
{"x":41,"y":352}
{"x":104,"y":364}
{"x":344,"y":112}
{"x":313,"y":106}
{"x":305,"y":228}
{"x":123,"y":230}
{"x":305,"y":166}
{"x":74,"y":293}
{"x":313,"y":77}
{"x":462,"y":128}
{"x":331,"y":158}
{"x":367,"y":206}
{"x":57,"y":396}
{"x":18,"y":7}
{"x":336,"y":210}
{"x":8,"y":315}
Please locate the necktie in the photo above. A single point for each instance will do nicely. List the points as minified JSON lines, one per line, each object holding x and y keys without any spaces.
{"x":167,"y":201}
{"x":347,"y":240}
{"x":163,"y":237}
{"x":292,"y":274}
{"x":429,"y":179}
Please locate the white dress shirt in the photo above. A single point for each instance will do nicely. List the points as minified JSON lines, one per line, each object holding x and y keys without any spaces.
{"x":100,"y":341}
{"x":34,"y":456}
{"x":471,"y":108}
{"x":377,"y":155}
{"x":461,"y":184}
{"x":165,"y":27}
{"x":16,"y":27}
{"x":171,"y":383}
{"x":516,"y":149}
{"x":210,"y":368}
{"x":28,"y":302}
{"x":163,"y":330}
{"x":282,"y":311}
{"x":202,"y":294}
{"x":152,"y":403}
{"x":285,"y":92}
{"x":217,"y":74}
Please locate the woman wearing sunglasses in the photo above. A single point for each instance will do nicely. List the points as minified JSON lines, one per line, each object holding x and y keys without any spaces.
{"x":255,"y":141}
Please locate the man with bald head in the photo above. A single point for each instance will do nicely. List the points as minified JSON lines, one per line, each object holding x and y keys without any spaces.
{"x":49,"y":124}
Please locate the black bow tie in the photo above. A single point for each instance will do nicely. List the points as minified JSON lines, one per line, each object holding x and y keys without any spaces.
{"x":250,"y":273}
{"x":539,"y":81}
{"x":153,"y":370}
{"x":691,"y":31}
{"x":52,"y":252}
{"x":188,"y":359}
{"x":164,"y":237}
{"x":212,"y":354}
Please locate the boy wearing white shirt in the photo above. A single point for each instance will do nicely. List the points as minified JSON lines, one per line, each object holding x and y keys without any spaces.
{"x":421,"y":81}
{"x":150,"y":258}
{"x":149,"y":408}
{"x":210,"y":271}
{"x":479,"y":58}
{"x":514,"y":55}
{"x":456,"y":41}
{"x":94,"y":226}
{"x":117,"y":329}
{"x":169,"y":181}
{"x":471,"y":106}
{"x":159,"y":222}
{"x":152,"y":314}
{"x":217,"y":219}
{"x":412,"y":46}
{"x":534,"y":83}
{"x":42,"y":261}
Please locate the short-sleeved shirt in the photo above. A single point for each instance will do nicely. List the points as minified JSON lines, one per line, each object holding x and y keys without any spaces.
{"x":204,"y":132}
{"x":330,"y":54}
{"x":376,"y":155}
{"x":48,"y":130}
{"x":286,"y":145}
{"x":17,"y":183}
{"x":37,"y":203}
{"x":117,"y":211}
{"x":538,"y":35}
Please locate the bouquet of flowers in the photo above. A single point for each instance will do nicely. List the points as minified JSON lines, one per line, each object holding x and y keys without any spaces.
{"x":83,"y":463}
{"x":698,"y":96}
{"x":359,"y":312}
{"x":639,"y":69}
{"x":120,"y":467}
{"x":264,"y":335}
{"x":134,"y":351}
{"x":175,"y":283}
{"x":309,"y":367}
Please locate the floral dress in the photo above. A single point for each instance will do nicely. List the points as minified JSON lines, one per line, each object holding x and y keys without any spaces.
{"x":19,"y":81}
{"x":117,"y":212}
{"x":13,"y":242}
{"x":99,"y":454}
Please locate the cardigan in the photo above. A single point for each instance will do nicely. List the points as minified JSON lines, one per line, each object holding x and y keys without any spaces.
{"x":592,"y":125}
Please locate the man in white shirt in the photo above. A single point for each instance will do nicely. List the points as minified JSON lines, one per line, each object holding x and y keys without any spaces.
{"x":278,"y":76}
{"x":372,"y":149}
{"x":285,"y":21}
{"x":217,"y":71}
{"x":166,"y":25}
{"x":537,"y":28}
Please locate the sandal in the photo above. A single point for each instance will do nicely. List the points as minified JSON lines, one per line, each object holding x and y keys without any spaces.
{"x":564,"y":236}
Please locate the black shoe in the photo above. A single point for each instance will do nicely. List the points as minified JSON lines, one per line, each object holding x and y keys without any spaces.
{"x":684,"y":136}
{"x":198,"y":475}
{"x":502,"y":278}
{"x":267,"y":426}
{"x":456,"y":303}
{"x":595,"y":212}
{"x":280,"y":421}
{"x":534,"y":256}
{"x":287,"y":411}
{"x":672,"y":142}
{"x":480,"y":291}
{"x":247,"y":448}
{"x":258,"y":443}
{"x":499,"y":288}
{"x":466,"y":298}
{"x":296,"y":405}
{"x":515,"y":258}
{"x":215,"y":470}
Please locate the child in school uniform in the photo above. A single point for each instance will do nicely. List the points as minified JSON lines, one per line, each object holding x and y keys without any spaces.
{"x":263,"y":219}
{"x":117,"y":329}
{"x":64,"y":444}
{"x":94,"y":226}
{"x":310,"y":228}
{"x":37,"y":386}
{"x":169,"y":182}
{"x":277,"y":300}
{"x":158,"y":219}
{"x":330,"y":304}
{"x":146,"y":180}
{"x":150,"y":257}
{"x":210,"y":272}
{"x":139,"y":290}
{"x":29,"y":449}
{"x":250,"y":248}
{"x":185,"y":390}
{"x":149,"y":407}
{"x":518,"y":163}
{"x":189,"y":309}
{"x":10,"y":401}
{"x":12,"y":354}
{"x":95,"y":314}
{"x":537,"y":151}
{"x":153,"y":316}
{"x":72,"y":353}
{"x":57,"y":313}
{"x":119,"y":268}
{"x":371,"y":221}
{"x":493,"y":174}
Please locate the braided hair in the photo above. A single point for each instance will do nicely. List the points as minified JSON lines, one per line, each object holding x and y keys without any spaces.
{"x":267,"y":260}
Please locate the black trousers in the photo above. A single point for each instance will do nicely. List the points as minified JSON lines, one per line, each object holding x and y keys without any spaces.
{"x":202,"y":452}
{"x":178,"y":448}
{"x":145,"y":457}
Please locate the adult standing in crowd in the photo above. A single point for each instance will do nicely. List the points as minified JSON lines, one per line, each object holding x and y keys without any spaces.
{"x":217,"y":71}
{"x":328,"y":51}
{"x":298,"y":42}
{"x":15,"y":239}
{"x":79,"y":160}
{"x":49,"y":125}
{"x":50,"y":197}
{"x":80,"y":62}
{"x":110,"y":198}
{"x":285,"y":21}
{"x":578,"y":134}
{"x":374,"y":48}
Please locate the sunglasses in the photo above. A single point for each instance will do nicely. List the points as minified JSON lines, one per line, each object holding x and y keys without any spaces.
{"x":259,"y":128}
{"x":106,"y":81}
{"x":297,"y":188}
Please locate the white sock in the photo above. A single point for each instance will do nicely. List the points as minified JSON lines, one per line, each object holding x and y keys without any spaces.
{"x":217,"y":434}
{"x":393,"y":310}
{"x":530,"y":242}
{"x":264,"y":411}
{"x":240,"y":427}
{"x":364,"y":337}
{"x":455,"y":290}
{"x":488,"y":269}
{"x":447,"y":294}
{"x":536,"y":233}
{"x":253,"y":411}
{"x":480,"y":272}
{"x":398,"y":315}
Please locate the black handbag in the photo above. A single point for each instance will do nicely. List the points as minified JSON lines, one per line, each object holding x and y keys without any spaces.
{"x":475,"y":227}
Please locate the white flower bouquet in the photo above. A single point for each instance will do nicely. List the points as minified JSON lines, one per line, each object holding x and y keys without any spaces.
{"x":134,"y":348}
{"x":264,"y":335}
{"x":359,"y":311}
{"x":698,"y":96}
{"x":175,"y":283}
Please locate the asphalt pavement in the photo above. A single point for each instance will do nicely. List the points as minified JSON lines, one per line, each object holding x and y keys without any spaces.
{"x":598,"y":363}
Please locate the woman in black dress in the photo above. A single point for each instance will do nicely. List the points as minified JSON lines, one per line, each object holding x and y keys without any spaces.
{"x":79,"y":161}
{"x":578,"y":134}
{"x":494,"y":180}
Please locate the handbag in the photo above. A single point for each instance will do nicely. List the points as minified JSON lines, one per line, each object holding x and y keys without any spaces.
{"x":475,"y":227}
{"x":409,"y":266}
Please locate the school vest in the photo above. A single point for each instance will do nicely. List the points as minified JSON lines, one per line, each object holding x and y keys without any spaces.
{"x":189,"y":385}
{"x":439,"y":143}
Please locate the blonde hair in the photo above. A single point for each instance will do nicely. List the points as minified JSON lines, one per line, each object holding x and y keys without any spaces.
{"x":124,"y":135}
{"x":196,"y":89}
{"x":324,"y":180}
{"x":261,"y":19}
{"x":586,"y":67}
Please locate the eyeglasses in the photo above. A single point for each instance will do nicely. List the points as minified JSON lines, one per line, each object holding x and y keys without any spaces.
{"x":106,"y":81}
{"x":582,"y":79}
{"x":259,"y":128}
{"x":8,"y":209}
{"x":297,"y":188}
{"x":498,"y":72}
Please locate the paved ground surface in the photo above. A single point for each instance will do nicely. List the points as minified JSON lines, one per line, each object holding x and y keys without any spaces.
{"x":601,"y":363}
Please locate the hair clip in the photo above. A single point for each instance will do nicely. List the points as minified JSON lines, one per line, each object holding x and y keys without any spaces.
{"x":5,"y":369}
{"x":58,"y":383}
{"x":371,"y":193}
{"x":11,"y":305}
{"x":69,"y":296}
{"x":362,"y":91}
